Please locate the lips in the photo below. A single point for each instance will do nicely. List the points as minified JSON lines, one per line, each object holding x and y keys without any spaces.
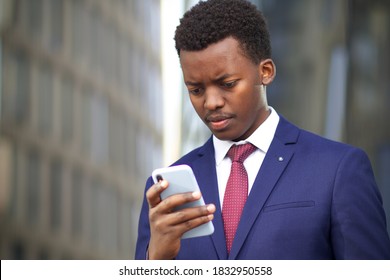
{"x":218,"y":121}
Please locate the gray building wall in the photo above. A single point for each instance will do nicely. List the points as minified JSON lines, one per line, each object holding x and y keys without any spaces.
{"x":80,"y":128}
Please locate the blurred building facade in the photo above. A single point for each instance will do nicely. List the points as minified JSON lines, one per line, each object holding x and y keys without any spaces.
{"x":333,"y":65}
{"x":80,"y":125}
{"x":332,"y":73}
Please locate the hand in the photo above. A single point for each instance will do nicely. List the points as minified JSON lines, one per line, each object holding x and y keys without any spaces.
{"x":167,"y":226}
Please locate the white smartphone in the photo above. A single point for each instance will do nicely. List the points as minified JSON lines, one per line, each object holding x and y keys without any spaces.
{"x":181,"y":179}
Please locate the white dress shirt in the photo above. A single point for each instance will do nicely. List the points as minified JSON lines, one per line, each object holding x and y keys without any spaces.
{"x":261,"y":138}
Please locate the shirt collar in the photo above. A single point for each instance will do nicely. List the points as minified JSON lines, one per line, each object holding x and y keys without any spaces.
{"x":261,"y":137}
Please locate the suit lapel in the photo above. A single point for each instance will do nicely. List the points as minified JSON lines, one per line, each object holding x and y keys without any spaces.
{"x":275,"y":162}
{"x":205,"y":173}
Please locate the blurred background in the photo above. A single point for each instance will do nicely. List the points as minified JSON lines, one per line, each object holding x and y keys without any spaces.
{"x":92,"y":100}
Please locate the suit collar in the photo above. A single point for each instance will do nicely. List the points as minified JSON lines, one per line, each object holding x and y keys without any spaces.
{"x":286,"y":132}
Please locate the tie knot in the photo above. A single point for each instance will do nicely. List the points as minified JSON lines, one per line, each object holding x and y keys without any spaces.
{"x":240,"y":152}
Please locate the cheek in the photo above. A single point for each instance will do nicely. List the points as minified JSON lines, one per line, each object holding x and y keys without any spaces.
{"x":197,"y":103}
{"x":249,"y":102}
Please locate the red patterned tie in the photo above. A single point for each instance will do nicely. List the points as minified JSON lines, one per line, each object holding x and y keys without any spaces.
{"x":236,"y":191}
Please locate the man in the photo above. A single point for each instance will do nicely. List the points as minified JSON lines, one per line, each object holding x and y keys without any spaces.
{"x":306,"y":197}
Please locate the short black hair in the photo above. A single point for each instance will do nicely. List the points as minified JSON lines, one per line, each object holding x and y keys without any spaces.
{"x":211,"y":21}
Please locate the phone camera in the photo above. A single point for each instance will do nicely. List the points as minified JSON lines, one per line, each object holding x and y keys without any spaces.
{"x":159,"y":178}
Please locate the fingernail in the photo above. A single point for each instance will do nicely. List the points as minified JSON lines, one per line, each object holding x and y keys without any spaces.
{"x":210,"y":217}
{"x":211,"y":207}
{"x":196,"y":195}
{"x":163,"y":183}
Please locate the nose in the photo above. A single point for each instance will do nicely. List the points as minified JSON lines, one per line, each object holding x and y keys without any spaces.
{"x":213,"y":99}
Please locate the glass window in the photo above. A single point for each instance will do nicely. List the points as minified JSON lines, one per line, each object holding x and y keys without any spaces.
{"x":106,"y":53}
{"x":111,"y":52}
{"x":125,"y":227}
{"x":45,"y":100}
{"x":143,"y":85}
{"x":79,"y":32}
{"x":119,"y":64}
{"x":134,"y":208}
{"x":128,"y":61}
{"x":95,"y":30}
{"x":130,"y":148}
{"x":33,"y":186}
{"x":155,"y":97}
{"x":114,"y":148}
{"x":144,"y":81}
{"x":13,"y":206}
{"x":18,"y":251}
{"x":16,"y":85}
{"x":123,"y":65}
{"x":55,"y":194}
{"x":15,"y":13}
{"x":77,"y":203}
{"x":100,"y":130}
{"x":122,"y":142}
{"x":155,"y":26}
{"x":43,"y":254}
{"x":112,"y":221}
{"x":23,"y":92}
{"x":146,"y":22}
{"x":117,"y":135}
{"x":67,"y":110}
{"x":86,"y":214}
{"x":94,"y":213}
{"x":56,"y":24}
{"x":142,"y":152}
{"x":86,"y":124}
{"x":104,"y":218}
{"x":134,"y":73}
{"x":7,"y":101}
{"x":34,"y":10}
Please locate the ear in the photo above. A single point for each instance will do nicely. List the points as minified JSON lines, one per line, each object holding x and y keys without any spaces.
{"x":267,"y":71}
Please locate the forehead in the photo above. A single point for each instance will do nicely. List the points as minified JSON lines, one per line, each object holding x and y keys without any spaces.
{"x":218,"y":58}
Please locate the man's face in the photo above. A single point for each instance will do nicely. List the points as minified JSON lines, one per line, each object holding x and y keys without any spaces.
{"x":225,"y":89}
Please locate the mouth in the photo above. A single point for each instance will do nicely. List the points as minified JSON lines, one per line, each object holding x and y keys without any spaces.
{"x":218,"y":122}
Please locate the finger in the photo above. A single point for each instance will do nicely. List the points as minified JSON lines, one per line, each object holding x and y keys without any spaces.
{"x":180,"y":221}
{"x":173,"y":201}
{"x":184,"y":215}
{"x":154,"y":192}
{"x":177,"y":223}
{"x":162,"y":208}
{"x":193,"y":223}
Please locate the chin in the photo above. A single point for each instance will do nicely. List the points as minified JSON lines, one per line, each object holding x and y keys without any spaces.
{"x":226,"y":136}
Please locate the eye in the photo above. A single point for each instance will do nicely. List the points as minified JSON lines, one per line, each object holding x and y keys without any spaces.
{"x":229,"y":84}
{"x":195,"y":91}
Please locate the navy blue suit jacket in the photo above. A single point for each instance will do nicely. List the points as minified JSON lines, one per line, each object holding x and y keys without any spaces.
{"x":320,"y":202}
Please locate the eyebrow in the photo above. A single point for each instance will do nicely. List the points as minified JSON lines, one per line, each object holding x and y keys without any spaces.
{"x":218,"y":79}
{"x":223,"y":77}
{"x":188,"y":83}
